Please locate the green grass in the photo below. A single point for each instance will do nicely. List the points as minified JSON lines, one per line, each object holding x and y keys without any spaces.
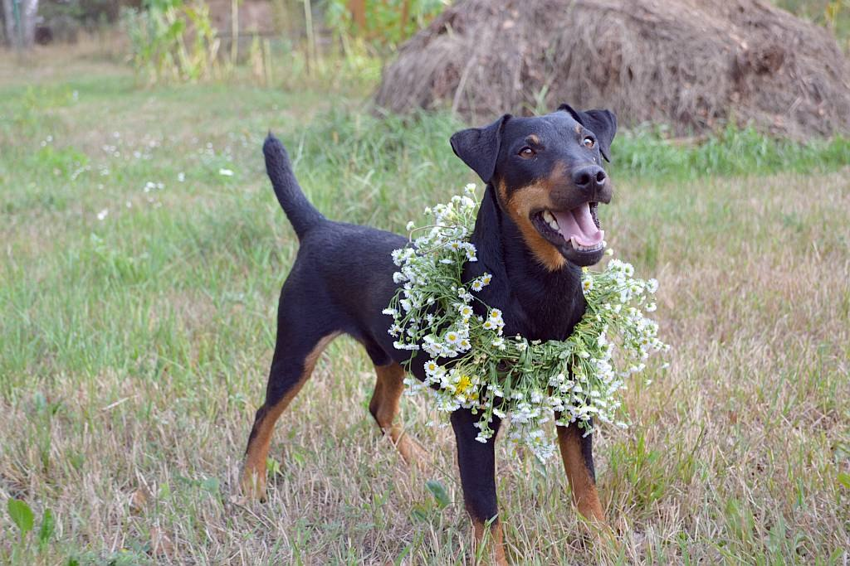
{"x":818,"y":12}
{"x":134,"y":348}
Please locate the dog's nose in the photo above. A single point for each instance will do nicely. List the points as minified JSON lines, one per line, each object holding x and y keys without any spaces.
{"x":590,"y":179}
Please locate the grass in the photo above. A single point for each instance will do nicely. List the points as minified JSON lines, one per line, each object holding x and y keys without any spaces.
{"x":134,"y":348}
{"x":831,"y":14}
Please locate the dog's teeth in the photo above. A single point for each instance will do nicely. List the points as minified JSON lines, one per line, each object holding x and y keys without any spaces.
{"x":582,"y":248}
{"x":549,"y":219}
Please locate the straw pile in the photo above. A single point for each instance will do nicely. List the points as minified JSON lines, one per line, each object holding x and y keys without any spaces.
{"x":693,"y":64}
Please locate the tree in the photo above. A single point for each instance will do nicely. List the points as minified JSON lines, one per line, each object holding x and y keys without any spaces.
{"x":19,"y":18}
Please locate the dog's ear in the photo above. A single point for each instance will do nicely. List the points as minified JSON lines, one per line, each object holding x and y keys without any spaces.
{"x":603,"y":123}
{"x":479,"y":147}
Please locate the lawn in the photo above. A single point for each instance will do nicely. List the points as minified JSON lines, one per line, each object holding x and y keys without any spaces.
{"x":138,"y":292}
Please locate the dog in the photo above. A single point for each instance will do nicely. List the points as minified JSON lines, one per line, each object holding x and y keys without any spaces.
{"x":536,"y":228}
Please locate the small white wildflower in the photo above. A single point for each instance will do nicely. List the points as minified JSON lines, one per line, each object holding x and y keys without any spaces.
{"x":465,"y":311}
{"x":103,"y":214}
{"x":225,"y":172}
{"x":652,"y":285}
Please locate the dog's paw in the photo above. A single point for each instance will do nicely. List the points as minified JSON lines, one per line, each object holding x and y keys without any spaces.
{"x":253,"y":485}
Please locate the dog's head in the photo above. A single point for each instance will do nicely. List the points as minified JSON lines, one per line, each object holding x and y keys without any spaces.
{"x":548,"y":176}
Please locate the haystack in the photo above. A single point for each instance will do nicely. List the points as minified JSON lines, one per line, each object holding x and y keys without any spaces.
{"x":693,"y":64}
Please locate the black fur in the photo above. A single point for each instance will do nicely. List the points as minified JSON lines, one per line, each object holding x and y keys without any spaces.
{"x":603,"y":123}
{"x":300,"y":211}
{"x":479,"y":147}
{"x":342,"y":276}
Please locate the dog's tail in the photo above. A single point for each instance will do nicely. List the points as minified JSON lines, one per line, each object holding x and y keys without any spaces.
{"x":300,"y":211}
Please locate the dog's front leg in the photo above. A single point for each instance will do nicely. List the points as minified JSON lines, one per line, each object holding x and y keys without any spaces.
{"x":577,"y":453}
{"x":477,"y":463}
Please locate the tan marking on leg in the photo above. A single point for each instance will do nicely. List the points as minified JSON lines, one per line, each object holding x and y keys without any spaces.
{"x":384,"y":406}
{"x":495,"y":541}
{"x":583,"y":485}
{"x":254,"y":468}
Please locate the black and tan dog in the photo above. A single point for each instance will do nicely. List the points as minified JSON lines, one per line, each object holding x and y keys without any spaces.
{"x":536,"y":228}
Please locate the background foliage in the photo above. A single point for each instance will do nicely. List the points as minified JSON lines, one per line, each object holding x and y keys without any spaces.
{"x":172,"y":40}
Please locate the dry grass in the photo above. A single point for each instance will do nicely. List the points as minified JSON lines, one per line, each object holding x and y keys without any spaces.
{"x":695,"y":65}
{"x":134,"y":352}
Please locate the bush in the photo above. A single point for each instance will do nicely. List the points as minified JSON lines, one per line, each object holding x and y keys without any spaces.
{"x":382,"y":24}
{"x":172,"y":41}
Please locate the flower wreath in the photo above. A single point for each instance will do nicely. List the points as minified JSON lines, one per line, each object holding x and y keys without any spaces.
{"x":492,"y":374}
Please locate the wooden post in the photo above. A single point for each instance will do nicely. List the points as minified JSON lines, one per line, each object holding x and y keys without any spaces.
{"x":358,"y":13}
{"x":402,"y":24}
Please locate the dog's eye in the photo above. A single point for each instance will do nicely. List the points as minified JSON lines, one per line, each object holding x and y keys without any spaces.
{"x":526,"y":152}
{"x":588,"y":142}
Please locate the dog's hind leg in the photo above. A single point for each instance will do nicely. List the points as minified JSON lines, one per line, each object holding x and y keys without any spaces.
{"x":294,"y":359}
{"x":384,"y":406}
{"x":577,"y":454}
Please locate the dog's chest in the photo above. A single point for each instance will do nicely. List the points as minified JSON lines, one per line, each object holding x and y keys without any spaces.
{"x":544,"y":318}
{"x":537,"y":312}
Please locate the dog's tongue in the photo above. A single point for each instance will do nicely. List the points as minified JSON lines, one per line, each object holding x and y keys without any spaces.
{"x":578,"y":223}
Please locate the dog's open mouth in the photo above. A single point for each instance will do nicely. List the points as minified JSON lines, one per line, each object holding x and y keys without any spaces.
{"x":578,"y":228}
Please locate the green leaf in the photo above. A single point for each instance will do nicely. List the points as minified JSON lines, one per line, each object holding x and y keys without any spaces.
{"x":48,"y":525}
{"x":844,"y":479}
{"x":439,"y":493}
{"x":21,"y":515}
{"x":273,"y":466}
{"x":420,"y":513}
